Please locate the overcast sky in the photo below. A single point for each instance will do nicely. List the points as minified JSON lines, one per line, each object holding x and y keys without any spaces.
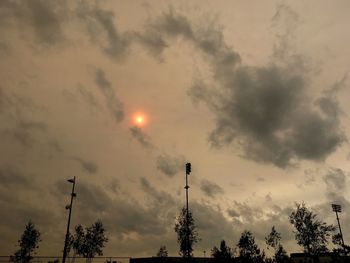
{"x":253,"y":93}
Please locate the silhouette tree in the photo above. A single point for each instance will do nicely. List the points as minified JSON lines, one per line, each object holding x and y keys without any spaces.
{"x":274,"y":240}
{"x":311,"y":233}
{"x":248,"y":249}
{"x":162,"y":252}
{"x":28,"y":244}
{"x":222,"y":254}
{"x":187,"y":234}
{"x":89,"y":242}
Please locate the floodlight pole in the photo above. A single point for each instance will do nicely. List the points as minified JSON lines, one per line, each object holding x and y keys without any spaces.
{"x":336,"y":209}
{"x":69,"y":217}
{"x":188,"y":171}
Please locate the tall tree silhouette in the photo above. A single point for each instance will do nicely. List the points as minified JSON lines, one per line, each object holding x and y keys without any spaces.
{"x":28,"y":244}
{"x":310,"y":233}
{"x":249,"y":251}
{"x":89,"y":242}
{"x":187,"y":234}
{"x":223,"y":253}
{"x":274,"y":240}
{"x":162,"y":252}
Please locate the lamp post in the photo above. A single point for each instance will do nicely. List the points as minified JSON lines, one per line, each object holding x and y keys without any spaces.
{"x":188,"y":171}
{"x":337,"y":209}
{"x":72,"y":181}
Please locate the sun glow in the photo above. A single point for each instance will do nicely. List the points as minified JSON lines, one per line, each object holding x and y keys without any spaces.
{"x":139,"y":119}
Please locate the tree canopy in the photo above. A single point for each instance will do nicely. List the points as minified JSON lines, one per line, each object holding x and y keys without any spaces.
{"x":248,"y":249}
{"x":223,"y":253}
{"x":187,"y":234}
{"x":28,"y":243}
{"x":90,"y":241}
{"x":273,"y":240}
{"x":310,"y":233}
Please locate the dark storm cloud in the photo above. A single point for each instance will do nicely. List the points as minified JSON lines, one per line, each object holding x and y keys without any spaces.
{"x":170,"y":165}
{"x":18,"y":189}
{"x":100,"y":24}
{"x":141,"y":137}
{"x":24,"y":132}
{"x":160,"y":199}
{"x":114,"y":105}
{"x":260,"y":221}
{"x":263,"y":110}
{"x":45,"y":18}
{"x":159,"y":34}
{"x":87,"y":165}
{"x":11,"y":177}
{"x":335,"y":179}
{"x":212,"y":225}
{"x":246,"y":212}
{"x":17,"y":121}
{"x":87,"y":96}
{"x":49,"y":22}
{"x":121,"y":213}
{"x":211,"y":189}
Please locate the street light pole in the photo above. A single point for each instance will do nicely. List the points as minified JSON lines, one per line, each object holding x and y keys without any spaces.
{"x":188,"y":171}
{"x":337,"y":209}
{"x":72,"y":181}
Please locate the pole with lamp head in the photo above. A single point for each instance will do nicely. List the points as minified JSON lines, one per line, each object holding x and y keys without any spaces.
{"x":337,"y":209}
{"x":72,"y":181}
{"x":188,"y":171}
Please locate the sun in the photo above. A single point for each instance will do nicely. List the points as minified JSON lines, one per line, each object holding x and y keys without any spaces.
{"x":139,"y":119}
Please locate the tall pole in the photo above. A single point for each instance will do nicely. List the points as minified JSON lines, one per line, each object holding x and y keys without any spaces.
{"x":188,"y":171}
{"x":336,"y":209}
{"x":341,"y":234}
{"x":69,"y":217}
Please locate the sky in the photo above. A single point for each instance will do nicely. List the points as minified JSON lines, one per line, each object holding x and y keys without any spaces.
{"x":254,"y":94}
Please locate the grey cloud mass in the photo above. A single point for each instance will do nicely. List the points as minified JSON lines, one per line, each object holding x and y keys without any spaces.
{"x":211,"y":189}
{"x":263,"y":110}
{"x":141,"y":137}
{"x":87,"y":165}
{"x":48,"y":22}
{"x":100,"y":23}
{"x":114,"y":105}
{"x":44,"y":18}
{"x":18,"y":122}
{"x":335,"y":180}
{"x":170,"y":165}
{"x":254,"y":98}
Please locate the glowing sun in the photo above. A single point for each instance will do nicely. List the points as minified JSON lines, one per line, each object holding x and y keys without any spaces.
{"x":139,"y":119}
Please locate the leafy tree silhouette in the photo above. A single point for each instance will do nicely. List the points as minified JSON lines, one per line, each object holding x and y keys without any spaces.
{"x":248,"y":249}
{"x":274,"y":240}
{"x":28,"y":244}
{"x":89,"y":242}
{"x":185,"y":230}
{"x":310,"y":233}
{"x":222,"y":254}
{"x":162,"y":252}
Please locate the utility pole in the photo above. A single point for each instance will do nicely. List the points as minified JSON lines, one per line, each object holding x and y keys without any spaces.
{"x":72,"y":181}
{"x":337,"y":209}
{"x":188,"y":171}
